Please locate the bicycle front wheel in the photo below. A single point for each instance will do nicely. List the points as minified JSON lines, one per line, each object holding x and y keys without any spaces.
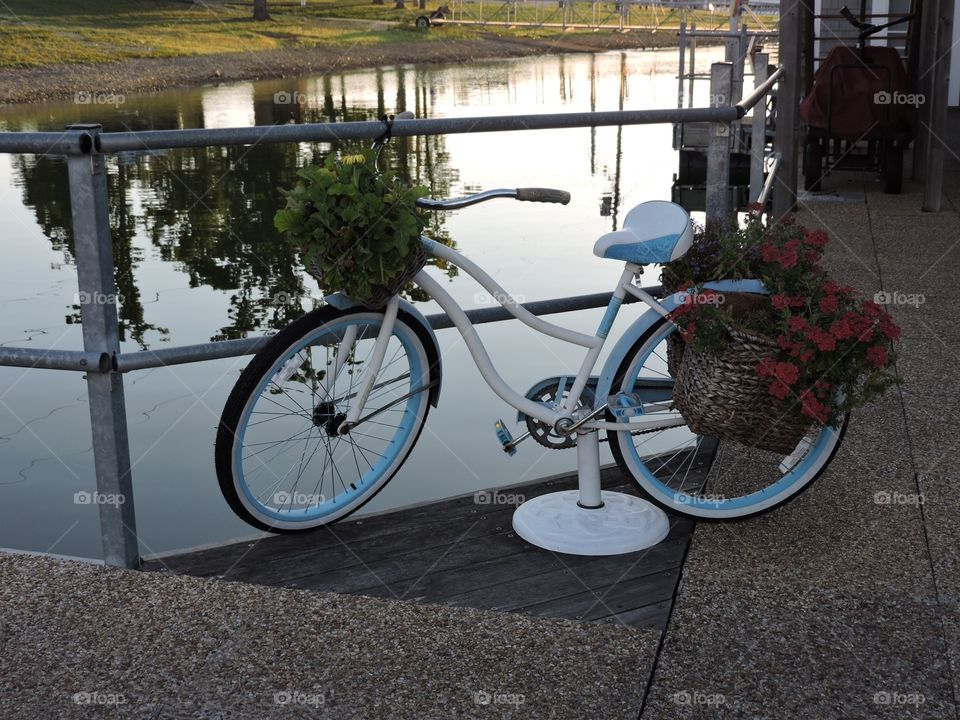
{"x":668,"y":465}
{"x":281,"y":464}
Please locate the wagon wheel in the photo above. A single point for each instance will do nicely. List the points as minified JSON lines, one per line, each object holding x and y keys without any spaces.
{"x":892,"y":167}
{"x":812,"y":165}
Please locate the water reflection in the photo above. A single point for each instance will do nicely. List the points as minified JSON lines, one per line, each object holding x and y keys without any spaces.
{"x":197,"y":257}
{"x":210,"y":211}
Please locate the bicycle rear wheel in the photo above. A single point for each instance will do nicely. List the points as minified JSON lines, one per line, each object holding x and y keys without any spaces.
{"x":280,"y":462}
{"x":668,"y":465}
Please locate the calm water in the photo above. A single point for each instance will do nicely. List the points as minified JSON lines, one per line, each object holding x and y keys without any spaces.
{"x":198,"y":259}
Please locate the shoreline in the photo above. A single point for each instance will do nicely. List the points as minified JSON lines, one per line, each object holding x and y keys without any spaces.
{"x":143,"y":75}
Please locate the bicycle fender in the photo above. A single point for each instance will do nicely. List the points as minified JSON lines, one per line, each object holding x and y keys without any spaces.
{"x":343,"y":302}
{"x":650,"y":318}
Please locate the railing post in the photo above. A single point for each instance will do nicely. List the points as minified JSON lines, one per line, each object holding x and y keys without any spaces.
{"x":681,"y":76}
{"x":936,"y":109}
{"x":758,"y":127}
{"x":787,"y":137}
{"x":693,"y":64}
{"x":98,"y":312}
{"x":718,"y":147}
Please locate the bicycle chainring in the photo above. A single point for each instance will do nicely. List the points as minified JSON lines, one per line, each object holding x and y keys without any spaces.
{"x":541,"y":431}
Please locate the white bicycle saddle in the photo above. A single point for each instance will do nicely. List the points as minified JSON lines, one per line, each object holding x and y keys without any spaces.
{"x":656,"y":231}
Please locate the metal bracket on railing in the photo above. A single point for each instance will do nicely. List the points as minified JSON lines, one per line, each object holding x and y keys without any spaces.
{"x":87,"y":137}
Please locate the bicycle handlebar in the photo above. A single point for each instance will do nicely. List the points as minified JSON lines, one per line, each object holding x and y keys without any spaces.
{"x":867,"y":29}
{"x":526,"y":194}
{"x":845,"y":11}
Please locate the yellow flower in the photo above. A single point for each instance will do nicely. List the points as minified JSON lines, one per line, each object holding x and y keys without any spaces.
{"x":354,"y":159}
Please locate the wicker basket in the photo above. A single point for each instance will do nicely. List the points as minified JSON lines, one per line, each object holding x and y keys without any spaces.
{"x":720,"y":395}
{"x":382,"y":293}
{"x":741,"y":303}
{"x":675,"y":347}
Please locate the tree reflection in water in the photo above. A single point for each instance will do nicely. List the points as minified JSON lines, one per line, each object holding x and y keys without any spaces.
{"x":209,"y":211}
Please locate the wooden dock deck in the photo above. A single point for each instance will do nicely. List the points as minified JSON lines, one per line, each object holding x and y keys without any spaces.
{"x":463,"y":553}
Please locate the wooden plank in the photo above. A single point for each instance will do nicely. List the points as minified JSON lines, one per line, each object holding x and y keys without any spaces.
{"x":621,"y":598}
{"x":403,"y":574}
{"x":576,"y":576}
{"x":213,"y":561}
{"x":460,"y":553}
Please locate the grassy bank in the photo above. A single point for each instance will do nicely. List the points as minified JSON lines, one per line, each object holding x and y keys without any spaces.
{"x":38,"y":33}
{"x":95,"y":31}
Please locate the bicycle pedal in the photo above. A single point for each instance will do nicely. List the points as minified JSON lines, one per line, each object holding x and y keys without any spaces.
{"x":505,"y":438}
{"x":624,"y":405}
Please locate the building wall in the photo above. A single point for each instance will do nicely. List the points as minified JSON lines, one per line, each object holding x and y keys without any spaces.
{"x":833,"y":32}
{"x":828,"y":30}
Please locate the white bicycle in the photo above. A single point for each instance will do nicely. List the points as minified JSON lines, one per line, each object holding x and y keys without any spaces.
{"x":328,"y":411}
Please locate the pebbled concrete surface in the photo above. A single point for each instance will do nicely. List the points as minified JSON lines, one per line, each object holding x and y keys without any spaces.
{"x":79,"y":641}
{"x":844,"y":603}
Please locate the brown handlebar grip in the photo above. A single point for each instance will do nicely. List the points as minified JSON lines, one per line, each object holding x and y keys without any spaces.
{"x":543,"y":195}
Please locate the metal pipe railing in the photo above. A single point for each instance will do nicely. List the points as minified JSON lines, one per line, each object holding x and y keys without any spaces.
{"x":55,"y":359}
{"x":368,"y":130}
{"x":221,"y":349}
{"x":758,"y":93}
{"x":68,"y":142}
{"x":85,"y":147}
{"x":771,"y":176}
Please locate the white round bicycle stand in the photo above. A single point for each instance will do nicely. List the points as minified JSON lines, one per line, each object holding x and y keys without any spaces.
{"x":590,"y":521}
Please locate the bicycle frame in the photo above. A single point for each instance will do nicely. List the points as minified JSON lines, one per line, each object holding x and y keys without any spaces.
{"x":593,"y":343}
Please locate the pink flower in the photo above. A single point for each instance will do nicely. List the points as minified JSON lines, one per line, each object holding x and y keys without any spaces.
{"x":889,"y":328}
{"x":688,"y":333}
{"x":786,"y":372}
{"x":871,"y":309}
{"x":841,"y":329}
{"x":779,"y":390}
{"x":766,"y":367}
{"x":769,"y":253}
{"x":877,"y":355}
{"x":823,"y":340}
{"x":813,"y":408}
{"x":788,"y":258}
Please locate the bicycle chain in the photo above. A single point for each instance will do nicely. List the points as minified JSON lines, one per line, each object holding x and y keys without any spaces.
{"x":604,"y":439}
{"x":635,"y":432}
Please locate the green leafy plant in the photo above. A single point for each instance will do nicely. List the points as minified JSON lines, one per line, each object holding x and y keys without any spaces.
{"x":715,"y":254}
{"x":836,"y":349}
{"x":357,"y":230}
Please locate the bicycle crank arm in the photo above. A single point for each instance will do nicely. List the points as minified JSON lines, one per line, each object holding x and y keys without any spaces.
{"x":510,"y":443}
{"x":563,"y":428}
{"x":346,"y":427}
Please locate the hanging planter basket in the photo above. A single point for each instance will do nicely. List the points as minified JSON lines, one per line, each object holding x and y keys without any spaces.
{"x":721,"y":395}
{"x":381,"y":294}
{"x":742,"y":304}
